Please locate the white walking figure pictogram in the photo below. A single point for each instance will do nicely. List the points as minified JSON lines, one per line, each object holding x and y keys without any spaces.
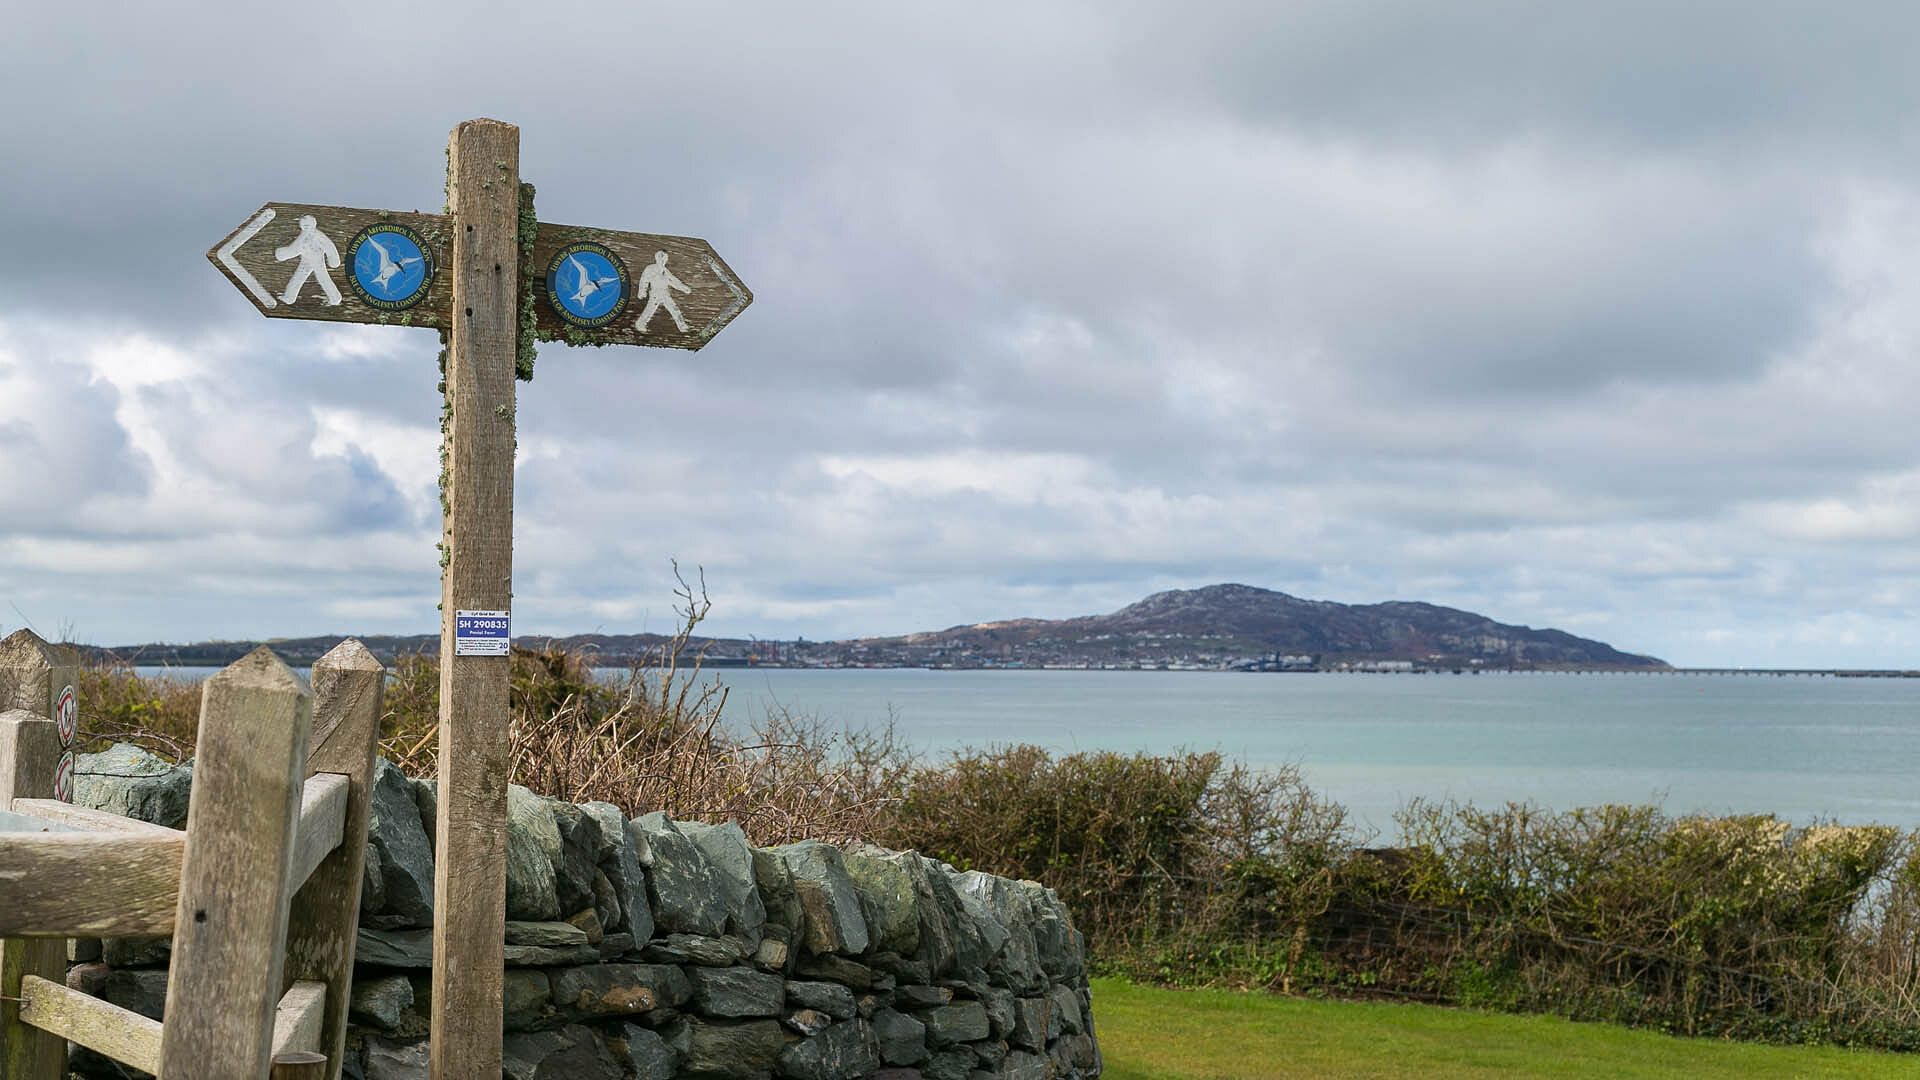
{"x":655,"y":280}
{"x":389,"y":268}
{"x":316,"y":253}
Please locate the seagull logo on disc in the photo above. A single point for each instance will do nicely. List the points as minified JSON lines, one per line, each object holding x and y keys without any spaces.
{"x":587,"y":284}
{"x":392,"y":266}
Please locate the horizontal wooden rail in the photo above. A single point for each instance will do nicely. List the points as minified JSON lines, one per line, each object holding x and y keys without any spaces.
{"x":323,"y":817}
{"x":297,"y":1019}
{"x":121,"y":1034}
{"x":79,"y":817}
{"x":99,"y":884}
{"x":123,"y":880}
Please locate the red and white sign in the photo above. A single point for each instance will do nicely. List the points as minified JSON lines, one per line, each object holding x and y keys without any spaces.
{"x":63,"y":778}
{"x":66,"y":716}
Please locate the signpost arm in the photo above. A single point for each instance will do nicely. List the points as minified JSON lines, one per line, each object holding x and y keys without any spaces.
{"x":470,"y":883}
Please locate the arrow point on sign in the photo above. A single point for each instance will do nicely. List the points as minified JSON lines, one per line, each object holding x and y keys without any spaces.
{"x":741,"y":298}
{"x":225,"y":252}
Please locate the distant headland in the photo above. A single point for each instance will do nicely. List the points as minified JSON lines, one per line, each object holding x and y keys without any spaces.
{"x":1219,"y":627}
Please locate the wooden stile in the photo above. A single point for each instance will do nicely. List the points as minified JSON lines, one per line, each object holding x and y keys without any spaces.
{"x":99,"y":884}
{"x":100,"y":1026}
{"x":242,"y":822}
{"x":470,"y":881}
{"x":348,"y":688}
{"x":32,"y":676}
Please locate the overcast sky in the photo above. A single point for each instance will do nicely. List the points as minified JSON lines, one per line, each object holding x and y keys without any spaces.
{"x":1597,"y":316}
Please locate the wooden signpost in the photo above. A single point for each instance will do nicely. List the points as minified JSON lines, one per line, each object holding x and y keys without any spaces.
{"x":461,"y":272}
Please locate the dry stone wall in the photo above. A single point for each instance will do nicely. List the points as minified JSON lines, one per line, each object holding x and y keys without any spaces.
{"x":650,"y":948}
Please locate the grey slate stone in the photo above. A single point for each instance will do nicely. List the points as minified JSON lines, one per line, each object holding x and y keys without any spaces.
{"x":1012,"y":911}
{"x":938,"y":909}
{"x":578,"y":859}
{"x":775,"y":885}
{"x":548,"y":934}
{"x":644,"y":1053}
{"x":572,"y":1053}
{"x":126,"y":780}
{"x":627,"y":874}
{"x":144,"y":992}
{"x":135,"y":952}
{"x":426,"y":799}
{"x":526,"y":1001}
{"x":619,"y":989}
{"x":394,"y":948}
{"x":1062,"y":948}
{"x":542,"y":956}
{"x":845,"y":1051}
{"x":382,"y":1002}
{"x":979,"y":937}
{"x":901,"y":1039}
{"x":682,"y":885}
{"x":888,"y":900}
{"x":1021,"y":1065}
{"x":962,"y":1021}
{"x":712,"y":952}
{"x":533,"y":845}
{"x":713,"y":1050}
{"x":615,"y":946}
{"x":397,"y":844}
{"x":834,"y":922}
{"x":999,"y":1006}
{"x":606,"y":899}
{"x":388,"y":1059}
{"x":838,"y":969}
{"x":731,"y":859}
{"x":1066,"y":1011}
{"x":1032,"y":1023}
{"x":737,"y":992}
{"x":612,"y":823}
{"x":831,"y":998}
{"x":902,"y":968}
{"x":921,"y":997}
{"x":953,"y":1063}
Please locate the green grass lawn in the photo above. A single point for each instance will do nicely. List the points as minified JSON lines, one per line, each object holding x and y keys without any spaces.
{"x":1152,"y":1034}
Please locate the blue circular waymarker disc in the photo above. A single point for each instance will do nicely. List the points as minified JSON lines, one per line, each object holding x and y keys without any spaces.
{"x":392,"y":266}
{"x":587,"y":284}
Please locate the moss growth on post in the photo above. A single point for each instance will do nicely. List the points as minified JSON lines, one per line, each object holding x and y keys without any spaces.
{"x":529,"y":232}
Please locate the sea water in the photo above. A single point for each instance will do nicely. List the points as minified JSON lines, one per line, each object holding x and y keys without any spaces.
{"x":1804,"y":748}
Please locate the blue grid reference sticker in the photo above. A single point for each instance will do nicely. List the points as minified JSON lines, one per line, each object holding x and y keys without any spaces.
{"x":480,"y":633}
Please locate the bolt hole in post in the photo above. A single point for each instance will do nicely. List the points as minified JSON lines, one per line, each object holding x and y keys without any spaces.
{"x":199,"y":916}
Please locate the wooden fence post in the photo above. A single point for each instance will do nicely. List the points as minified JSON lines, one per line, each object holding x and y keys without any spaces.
{"x":470,"y":853}
{"x":348,"y":687}
{"x":35,"y":676}
{"x":242,"y":819}
{"x":32,"y":677}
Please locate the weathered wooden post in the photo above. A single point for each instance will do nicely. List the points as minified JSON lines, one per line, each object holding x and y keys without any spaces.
{"x":36,"y":694}
{"x":349,"y":684}
{"x":470,"y":846}
{"x":229,"y":931}
{"x":584,"y":286}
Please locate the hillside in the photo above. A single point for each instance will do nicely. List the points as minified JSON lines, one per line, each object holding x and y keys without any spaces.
{"x":1221,"y":623}
{"x":1215,"y":626}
